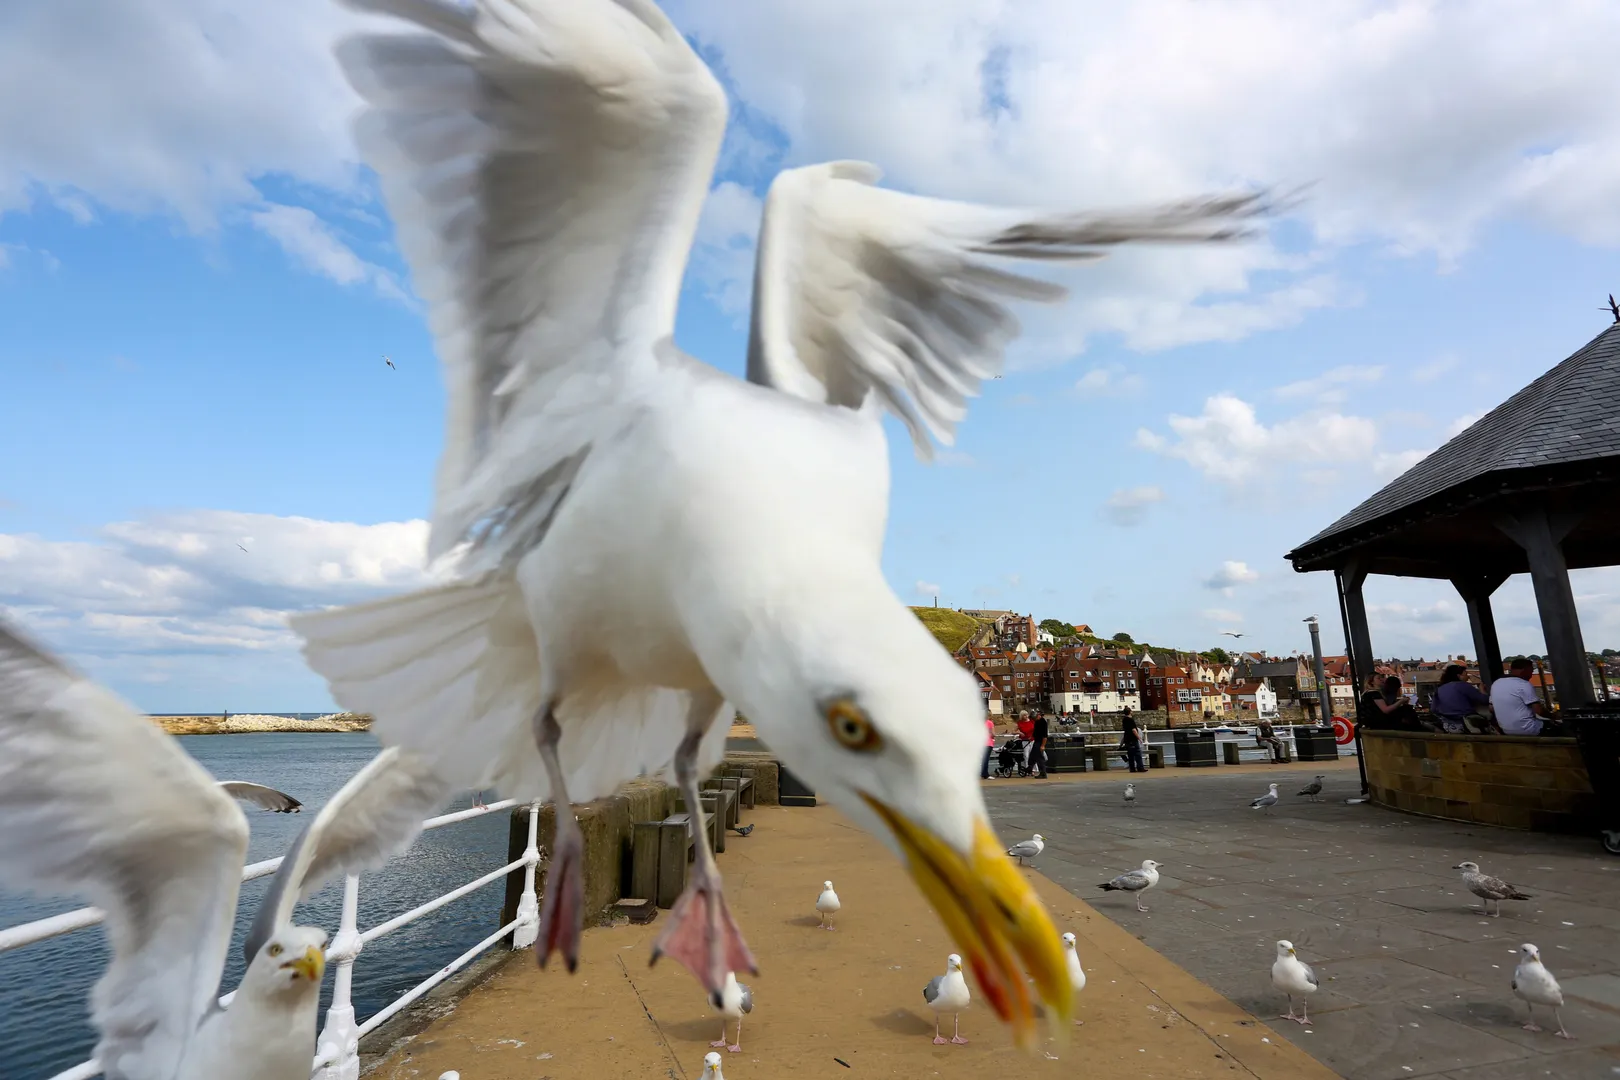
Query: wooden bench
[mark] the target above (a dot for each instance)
(742, 792)
(660, 852)
(745, 783)
(1232, 753)
(1153, 754)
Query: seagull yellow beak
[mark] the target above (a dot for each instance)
(312, 965)
(991, 912)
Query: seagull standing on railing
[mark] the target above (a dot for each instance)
(642, 543)
(96, 801)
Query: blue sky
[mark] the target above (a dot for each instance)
(197, 294)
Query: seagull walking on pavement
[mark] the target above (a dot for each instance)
(1130, 794)
(734, 1001)
(634, 545)
(1313, 790)
(96, 801)
(1489, 888)
(1135, 881)
(948, 993)
(1027, 849)
(827, 905)
(1071, 956)
(1266, 801)
(1535, 985)
(1295, 978)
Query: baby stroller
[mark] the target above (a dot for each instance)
(1010, 758)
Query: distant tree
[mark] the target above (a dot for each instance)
(1123, 637)
(1219, 655)
(1057, 628)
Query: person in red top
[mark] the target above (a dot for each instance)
(989, 746)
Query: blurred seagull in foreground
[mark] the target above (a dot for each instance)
(635, 544)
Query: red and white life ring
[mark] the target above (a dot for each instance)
(1344, 732)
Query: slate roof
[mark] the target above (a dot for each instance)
(1567, 416)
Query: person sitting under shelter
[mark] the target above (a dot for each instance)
(1518, 710)
(1458, 704)
(1383, 707)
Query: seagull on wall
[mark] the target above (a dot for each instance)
(643, 545)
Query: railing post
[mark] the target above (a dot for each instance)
(339, 1044)
(528, 912)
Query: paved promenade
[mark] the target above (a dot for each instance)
(1415, 980)
(853, 995)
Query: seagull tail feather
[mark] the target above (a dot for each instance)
(451, 672)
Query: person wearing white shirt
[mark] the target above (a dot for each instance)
(1518, 710)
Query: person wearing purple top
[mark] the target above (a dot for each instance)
(1456, 699)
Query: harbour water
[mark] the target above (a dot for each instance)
(44, 988)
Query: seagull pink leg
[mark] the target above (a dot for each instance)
(721, 1041)
(736, 1047)
(956, 1032)
(939, 1040)
(702, 936)
(562, 909)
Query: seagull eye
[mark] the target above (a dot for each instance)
(851, 727)
(275, 950)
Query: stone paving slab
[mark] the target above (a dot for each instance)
(1415, 980)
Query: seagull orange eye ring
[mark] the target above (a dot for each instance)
(851, 726)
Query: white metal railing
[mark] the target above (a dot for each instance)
(337, 1050)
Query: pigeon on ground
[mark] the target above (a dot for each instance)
(1130, 794)
(744, 830)
(1027, 849)
(1135, 881)
(1266, 801)
(1488, 888)
(948, 993)
(734, 1000)
(827, 904)
(1536, 985)
(1313, 790)
(1072, 956)
(1295, 978)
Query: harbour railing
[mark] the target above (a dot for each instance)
(337, 1049)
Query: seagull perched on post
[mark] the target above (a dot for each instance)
(1266, 801)
(638, 545)
(96, 801)
(1295, 978)
(1535, 985)
(948, 993)
(1489, 888)
(1135, 881)
(1028, 849)
(1313, 790)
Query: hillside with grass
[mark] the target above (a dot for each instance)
(951, 629)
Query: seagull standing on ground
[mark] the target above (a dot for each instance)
(1536, 986)
(1135, 881)
(1027, 849)
(827, 904)
(1313, 790)
(1266, 801)
(643, 545)
(1130, 794)
(96, 801)
(1489, 888)
(948, 993)
(1295, 978)
(734, 1001)
(1071, 955)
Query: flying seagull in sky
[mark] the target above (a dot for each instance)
(244, 549)
(643, 545)
(1231, 633)
(96, 801)
(390, 363)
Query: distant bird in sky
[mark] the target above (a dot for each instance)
(1231, 633)
(1614, 307)
(390, 363)
(244, 549)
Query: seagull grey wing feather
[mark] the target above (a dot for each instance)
(1497, 889)
(860, 291)
(96, 801)
(1310, 973)
(1130, 881)
(1025, 849)
(545, 163)
(265, 798)
(373, 817)
(747, 997)
(931, 991)
(1267, 799)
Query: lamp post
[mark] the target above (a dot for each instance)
(1323, 698)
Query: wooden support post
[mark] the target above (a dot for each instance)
(1542, 534)
(1476, 590)
(644, 851)
(674, 852)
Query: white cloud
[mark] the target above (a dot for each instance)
(1435, 369)
(182, 585)
(1223, 616)
(1110, 381)
(927, 588)
(314, 245)
(1392, 464)
(1230, 575)
(723, 254)
(1332, 387)
(1129, 506)
(1462, 424)
(1227, 442)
